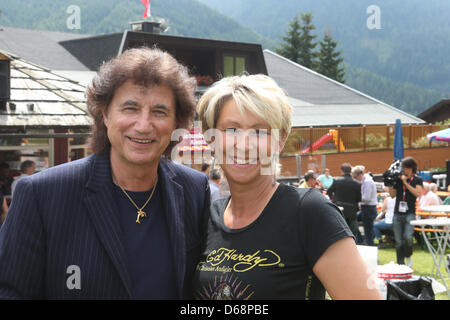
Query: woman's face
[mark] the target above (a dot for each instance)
(247, 145)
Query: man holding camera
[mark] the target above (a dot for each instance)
(406, 190)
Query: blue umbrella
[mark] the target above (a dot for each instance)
(398, 141)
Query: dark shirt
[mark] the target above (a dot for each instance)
(150, 260)
(403, 194)
(346, 192)
(273, 257)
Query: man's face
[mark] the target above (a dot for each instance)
(140, 122)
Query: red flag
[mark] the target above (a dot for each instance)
(147, 12)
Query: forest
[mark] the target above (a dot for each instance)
(404, 63)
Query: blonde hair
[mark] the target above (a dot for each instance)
(258, 94)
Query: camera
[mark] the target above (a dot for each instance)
(392, 175)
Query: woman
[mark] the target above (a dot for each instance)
(269, 240)
(385, 219)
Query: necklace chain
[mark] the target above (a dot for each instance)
(140, 212)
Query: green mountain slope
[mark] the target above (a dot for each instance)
(404, 64)
(184, 17)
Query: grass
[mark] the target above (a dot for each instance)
(422, 263)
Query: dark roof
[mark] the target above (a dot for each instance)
(41, 47)
(438, 112)
(321, 101)
(93, 51)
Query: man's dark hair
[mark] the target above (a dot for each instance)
(205, 167)
(144, 67)
(26, 165)
(346, 168)
(309, 175)
(409, 162)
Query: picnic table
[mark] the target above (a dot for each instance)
(436, 229)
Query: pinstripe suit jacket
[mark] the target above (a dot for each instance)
(65, 216)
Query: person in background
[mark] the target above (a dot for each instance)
(269, 240)
(345, 192)
(3, 208)
(309, 181)
(27, 168)
(5, 179)
(205, 169)
(369, 200)
(384, 220)
(326, 179)
(428, 198)
(434, 189)
(214, 183)
(405, 191)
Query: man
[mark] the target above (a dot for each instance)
(406, 190)
(369, 200)
(345, 192)
(326, 179)
(206, 168)
(5, 179)
(125, 222)
(27, 168)
(214, 183)
(309, 181)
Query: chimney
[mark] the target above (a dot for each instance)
(146, 26)
(5, 82)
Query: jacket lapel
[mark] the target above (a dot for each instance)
(173, 204)
(102, 209)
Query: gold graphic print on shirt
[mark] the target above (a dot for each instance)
(228, 262)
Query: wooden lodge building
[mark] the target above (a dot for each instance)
(68, 62)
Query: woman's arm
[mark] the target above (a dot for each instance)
(344, 273)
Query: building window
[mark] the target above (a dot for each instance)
(233, 65)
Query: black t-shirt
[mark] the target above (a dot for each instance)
(148, 246)
(273, 257)
(403, 194)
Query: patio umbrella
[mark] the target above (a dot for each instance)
(398, 141)
(442, 135)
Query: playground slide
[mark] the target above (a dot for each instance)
(332, 134)
(316, 145)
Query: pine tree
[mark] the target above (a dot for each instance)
(307, 54)
(330, 60)
(298, 44)
(291, 48)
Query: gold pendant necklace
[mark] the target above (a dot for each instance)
(140, 212)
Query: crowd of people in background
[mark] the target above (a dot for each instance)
(381, 214)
